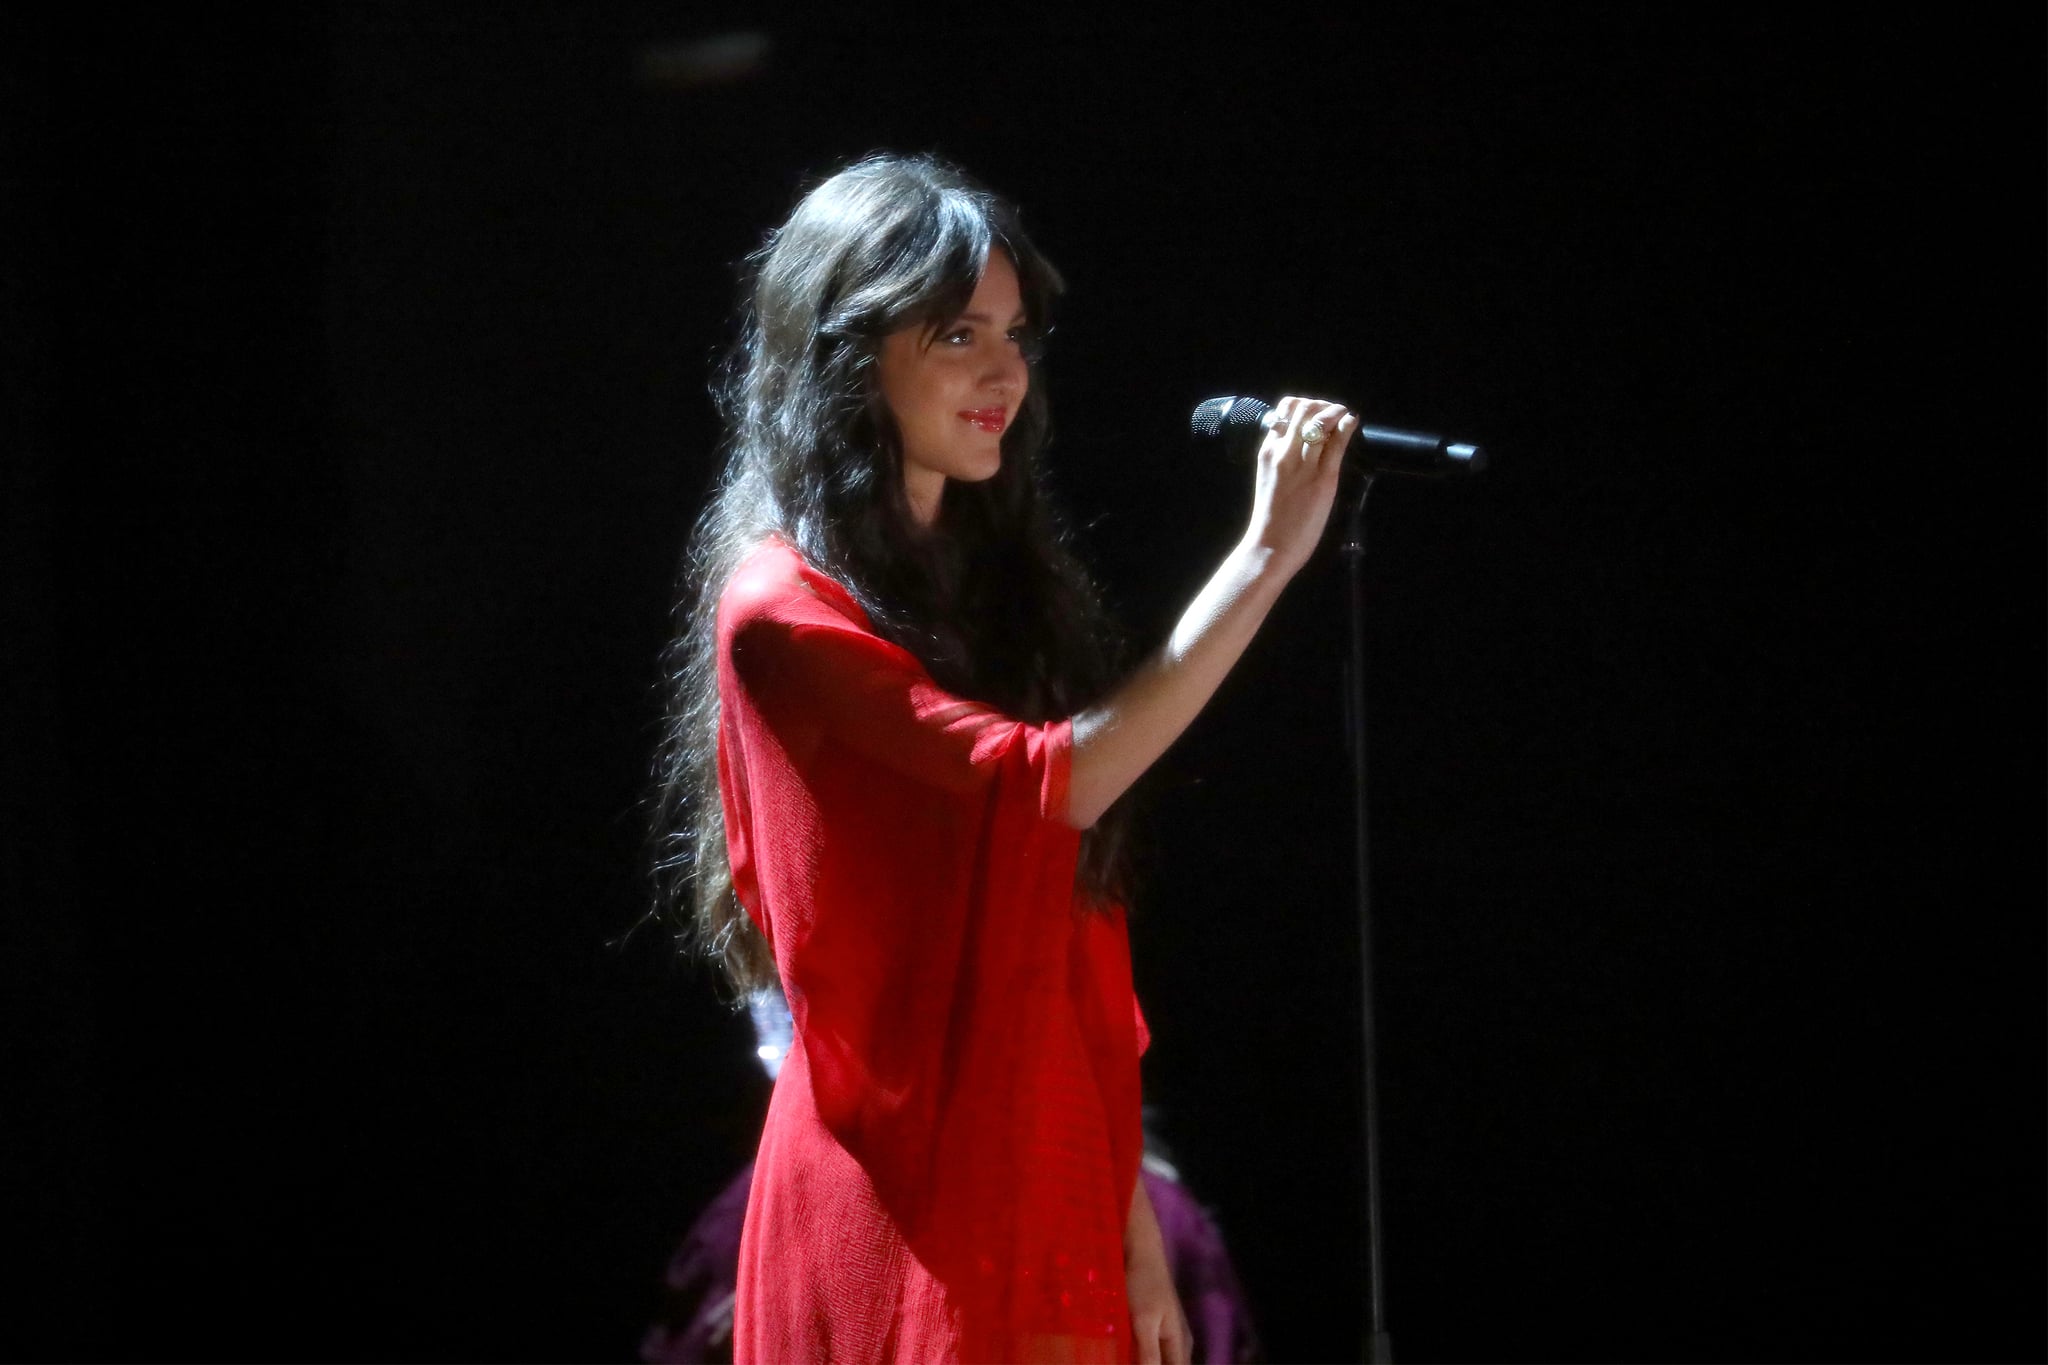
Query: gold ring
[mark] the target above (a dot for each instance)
(1312, 434)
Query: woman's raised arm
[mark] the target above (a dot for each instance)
(1295, 485)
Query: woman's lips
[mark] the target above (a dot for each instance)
(988, 419)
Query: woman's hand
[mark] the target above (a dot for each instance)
(1159, 1326)
(1295, 483)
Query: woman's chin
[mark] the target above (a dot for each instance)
(979, 467)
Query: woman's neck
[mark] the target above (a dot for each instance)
(924, 490)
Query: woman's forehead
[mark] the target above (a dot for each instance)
(996, 295)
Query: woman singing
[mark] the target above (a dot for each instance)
(890, 778)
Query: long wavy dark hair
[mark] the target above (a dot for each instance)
(992, 599)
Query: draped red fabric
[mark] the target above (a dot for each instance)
(949, 1154)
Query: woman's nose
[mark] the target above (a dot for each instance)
(1005, 368)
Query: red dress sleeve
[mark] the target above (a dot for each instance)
(963, 1033)
(812, 663)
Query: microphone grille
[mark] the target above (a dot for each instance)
(1207, 422)
(1236, 420)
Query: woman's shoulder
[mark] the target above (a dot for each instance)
(773, 583)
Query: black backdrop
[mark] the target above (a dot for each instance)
(359, 365)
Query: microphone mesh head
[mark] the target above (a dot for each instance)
(1243, 424)
(1207, 423)
(1234, 422)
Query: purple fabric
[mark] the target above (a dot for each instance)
(1218, 1317)
(695, 1325)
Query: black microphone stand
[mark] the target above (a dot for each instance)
(1238, 423)
(1378, 1346)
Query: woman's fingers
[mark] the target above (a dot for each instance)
(1296, 481)
(1341, 424)
(1174, 1349)
(1162, 1339)
(1325, 421)
(1298, 419)
(1280, 434)
(1148, 1344)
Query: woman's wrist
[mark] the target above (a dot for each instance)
(1258, 564)
(1262, 561)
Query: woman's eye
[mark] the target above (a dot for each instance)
(1029, 340)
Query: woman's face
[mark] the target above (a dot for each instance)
(955, 391)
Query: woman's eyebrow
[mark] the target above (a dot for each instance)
(1022, 316)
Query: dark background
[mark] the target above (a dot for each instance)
(357, 361)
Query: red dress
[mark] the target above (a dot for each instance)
(948, 1159)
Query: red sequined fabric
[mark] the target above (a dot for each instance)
(948, 1159)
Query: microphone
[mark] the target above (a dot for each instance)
(1238, 423)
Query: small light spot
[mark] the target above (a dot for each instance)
(769, 1052)
(721, 59)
